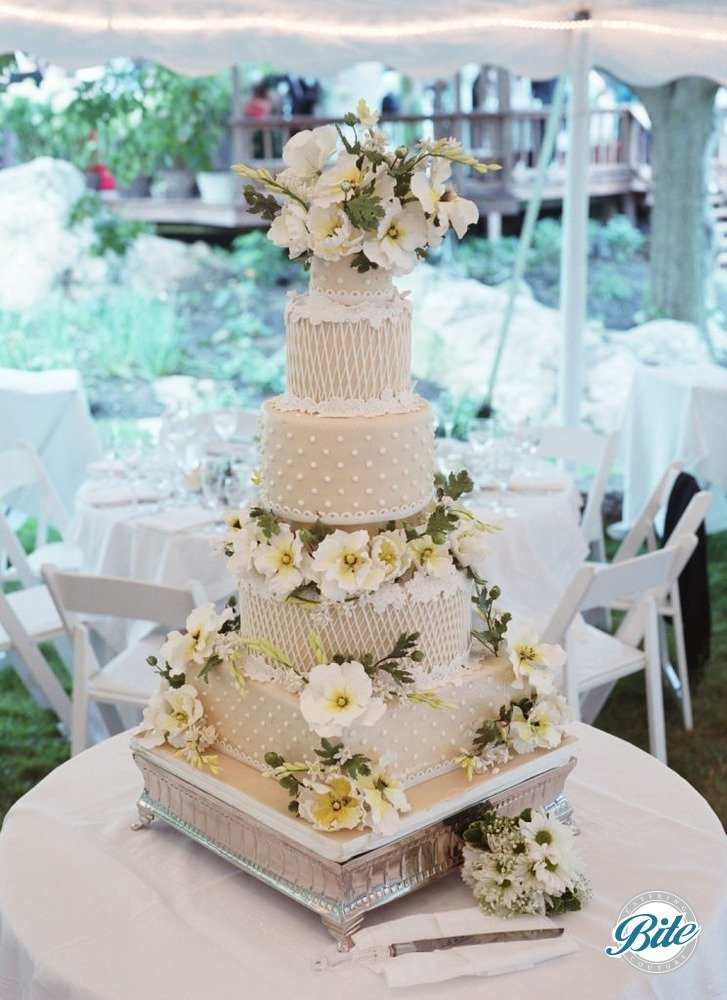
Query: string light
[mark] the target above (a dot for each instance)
(358, 31)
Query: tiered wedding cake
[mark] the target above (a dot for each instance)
(346, 674)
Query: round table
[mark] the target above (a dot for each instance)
(90, 910)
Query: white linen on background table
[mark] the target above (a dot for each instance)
(532, 558)
(675, 414)
(90, 909)
(49, 409)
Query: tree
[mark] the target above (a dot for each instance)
(682, 129)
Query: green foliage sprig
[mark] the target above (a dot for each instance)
(493, 634)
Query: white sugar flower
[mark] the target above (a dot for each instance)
(335, 183)
(177, 712)
(367, 117)
(468, 545)
(334, 805)
(332, 235)
(196, 645)
(150, 733)
(540, 729)
(390, 553)
(533, 661)
(432, 559)
(289, 230)
(342, 565)
(280, 560)
(385, 798)
(338, 694)
(442, 204)
(307, 152)
(401, 231)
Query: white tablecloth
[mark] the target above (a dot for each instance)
(49, 409)
(675, 413)
(532, 558)
(90, 910)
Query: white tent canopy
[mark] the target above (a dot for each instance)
(641, 42)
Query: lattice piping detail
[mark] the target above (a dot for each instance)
(347, 352)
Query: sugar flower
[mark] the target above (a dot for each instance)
(307, 152)
(280, 560)
(401, 231)
(385, 799)
(338, 694)
(335, 183)
(389, 552)
(468, 544)
(432, 559)
(540, 729)
(342, 565)
(196, 645)
(332, 235)
(338, 808)
(533, 661)
(289, 229)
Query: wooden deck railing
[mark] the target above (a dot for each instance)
(620, 146)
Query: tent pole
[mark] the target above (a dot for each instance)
(526, 235)
(574, 253)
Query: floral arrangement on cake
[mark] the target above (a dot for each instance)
(340, 790)
(534, 721)
(523, 864)
(352, 195)
(323, 563)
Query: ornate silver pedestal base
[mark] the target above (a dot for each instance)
(340, 892)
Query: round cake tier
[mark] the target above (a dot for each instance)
(358, 470)
(439, 611)
(348, 360)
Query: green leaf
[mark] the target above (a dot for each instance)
(365, 210)
(266, 520)
(314, 535)
(453, 485)
(211, 663)
(314, 641)
(273, 759)
(362, 264)
(441, 521)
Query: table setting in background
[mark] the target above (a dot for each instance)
(151, 507)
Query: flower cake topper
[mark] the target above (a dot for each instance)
(349, 194)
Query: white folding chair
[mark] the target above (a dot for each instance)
(29, 617)
(595, 659)
(644, 534)
(21, 468)
(581, 448)
(126, 679)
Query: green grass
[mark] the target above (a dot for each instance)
(32, 746)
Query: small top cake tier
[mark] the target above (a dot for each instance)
(348, 344)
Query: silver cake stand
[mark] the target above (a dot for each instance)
(341, 892)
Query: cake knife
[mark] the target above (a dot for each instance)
(381, 952)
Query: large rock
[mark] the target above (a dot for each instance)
(38, 249)
(457, 324)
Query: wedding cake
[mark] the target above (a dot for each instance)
(348, 669)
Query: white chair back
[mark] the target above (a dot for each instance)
(20, 468)
(80, 594)
(693, 516)
(33, 668)
(581, 447)
(600, 586)
(643, 531)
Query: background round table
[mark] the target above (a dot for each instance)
(532, 558)
(90, 910)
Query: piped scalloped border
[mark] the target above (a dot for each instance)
(381, 406)
(348, 517)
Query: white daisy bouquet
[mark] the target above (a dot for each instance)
(348, 194)
(523, 864)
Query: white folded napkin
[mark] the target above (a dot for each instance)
(470, 960)
(178, 519)
(540, 479)
(118, 495)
